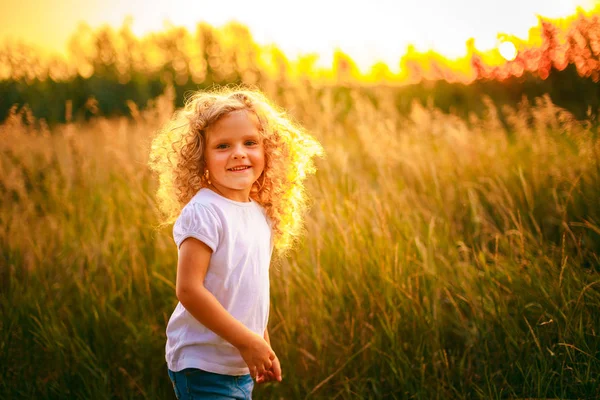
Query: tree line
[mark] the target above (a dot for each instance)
(108, 70)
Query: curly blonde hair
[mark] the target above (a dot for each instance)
(177, 156)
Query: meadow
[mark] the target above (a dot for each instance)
(443, 258)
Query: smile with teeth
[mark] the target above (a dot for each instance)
(240, 168)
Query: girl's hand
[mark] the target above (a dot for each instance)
(273, 374)
(258, 355)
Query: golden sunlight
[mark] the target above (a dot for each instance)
(508, 50)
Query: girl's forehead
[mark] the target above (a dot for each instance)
(240, 122)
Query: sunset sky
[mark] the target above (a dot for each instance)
(367, 30)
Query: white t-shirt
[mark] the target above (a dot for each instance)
(239, 235)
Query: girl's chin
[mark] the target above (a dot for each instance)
(238, 187)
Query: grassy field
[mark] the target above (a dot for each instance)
(442, 259)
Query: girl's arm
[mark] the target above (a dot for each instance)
(192, 265)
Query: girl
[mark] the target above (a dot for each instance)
(230, 168)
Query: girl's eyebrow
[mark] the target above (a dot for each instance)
(252, 136)
(243, 137)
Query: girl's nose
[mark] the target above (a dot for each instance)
(239, 153)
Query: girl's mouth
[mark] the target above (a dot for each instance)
(240, 168)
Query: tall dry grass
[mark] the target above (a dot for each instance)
(442, 258)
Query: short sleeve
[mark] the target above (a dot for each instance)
(198, 222)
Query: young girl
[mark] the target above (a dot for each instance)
(230, 168)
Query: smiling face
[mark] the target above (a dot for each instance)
(234, 154)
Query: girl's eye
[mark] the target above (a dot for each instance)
(251, 143)
(221, 146)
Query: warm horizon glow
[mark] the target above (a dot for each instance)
(380, 30)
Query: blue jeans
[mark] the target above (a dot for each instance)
(193, 383)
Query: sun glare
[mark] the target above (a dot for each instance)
(508, 50)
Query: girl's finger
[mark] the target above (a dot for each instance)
(276, 371)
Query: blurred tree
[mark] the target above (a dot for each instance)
(380, 73)
(344, 68)
(243, 53)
